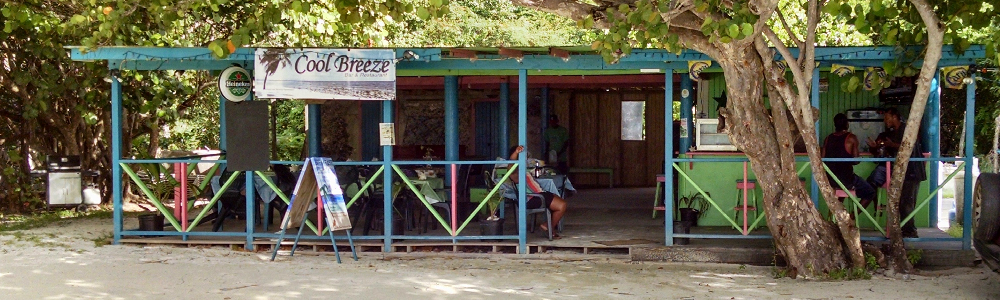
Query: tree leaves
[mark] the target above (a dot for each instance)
(734, 30)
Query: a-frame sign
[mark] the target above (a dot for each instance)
(317, 181)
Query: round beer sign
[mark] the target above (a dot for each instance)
(235, 84)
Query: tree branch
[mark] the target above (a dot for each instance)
(571, 9)
(788, 29)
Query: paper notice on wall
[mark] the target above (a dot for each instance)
(387, 134)
(684, 128)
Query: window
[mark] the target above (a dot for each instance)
(633, 120)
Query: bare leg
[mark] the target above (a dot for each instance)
(558, 208)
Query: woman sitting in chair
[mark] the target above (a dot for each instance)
(555, 203)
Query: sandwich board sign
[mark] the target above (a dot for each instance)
(317, 180)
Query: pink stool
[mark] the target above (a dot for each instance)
(745, 187)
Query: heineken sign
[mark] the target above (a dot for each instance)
(325, 74)
(235, 84)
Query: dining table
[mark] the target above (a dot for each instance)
(432, 188)
(557, 184)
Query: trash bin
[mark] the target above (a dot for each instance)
(64, 186)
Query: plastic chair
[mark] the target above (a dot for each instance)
(462, 191)
(508, 187)
(231, 199)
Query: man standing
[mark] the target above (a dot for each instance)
(557, 139)
(887, 143)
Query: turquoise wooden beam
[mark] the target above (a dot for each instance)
(116, 156)
(504, 142)
(687, 91)
(522, 139)
(450, 122)
(668, 157)
(932, 140)
(970, 127)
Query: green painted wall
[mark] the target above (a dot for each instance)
(719, 180)
(834, 100)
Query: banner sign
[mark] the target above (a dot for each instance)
(325, 74)
(954, 76)
(842, 70)
(318, 177)
(696, 66)
(874, 76)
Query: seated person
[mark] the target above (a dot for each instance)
(555, 203)
(844, 144)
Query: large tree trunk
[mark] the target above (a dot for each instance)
(896, 257)
(809, 244)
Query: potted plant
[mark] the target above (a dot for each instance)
(691, 207)
(492, 224)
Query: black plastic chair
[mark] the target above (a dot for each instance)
(231, 199)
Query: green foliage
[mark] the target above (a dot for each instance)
(914, 256)
(493, 23)
(493, 205)
(290, 129)
(871, 263)
(778, 273)
(694, 200)
(24, 222)
(849, 274)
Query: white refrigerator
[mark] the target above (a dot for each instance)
(865, 124)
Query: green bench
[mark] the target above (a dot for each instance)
(609, 171)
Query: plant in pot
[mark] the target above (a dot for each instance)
(689, 208)
(161, 186)
(491, 224)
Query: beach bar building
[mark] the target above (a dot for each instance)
(454, 111)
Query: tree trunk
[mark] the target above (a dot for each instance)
(935, 39)
(809, 244)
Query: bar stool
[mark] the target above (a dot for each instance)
(750, 187)
(660, 180)
(841, 195)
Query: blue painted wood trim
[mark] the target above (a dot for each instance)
(970, 127)
(450, 122)
(315, 117)
(504, 119)
(814, 97)
(222, 123)
(387, 117)
(686, 103)
(522, 139)
(250, 201)
(933, 142)
(668, 155)
(116, 154)
(435, 54)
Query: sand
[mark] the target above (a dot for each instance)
(62, 261)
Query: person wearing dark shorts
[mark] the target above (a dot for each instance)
(555, 203)
(844, 144)
(535, 202)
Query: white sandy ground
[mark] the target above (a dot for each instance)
(61, 261)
